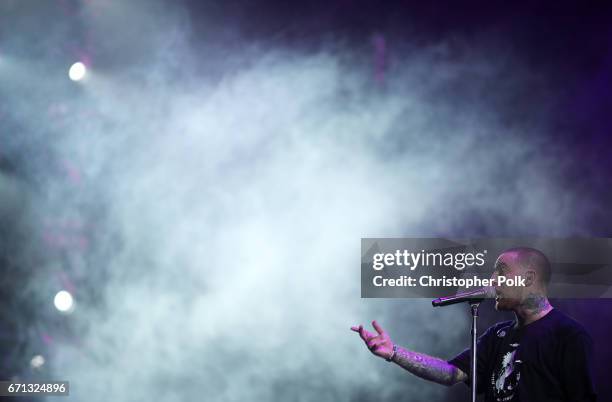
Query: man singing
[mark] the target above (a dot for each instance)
(541, 356)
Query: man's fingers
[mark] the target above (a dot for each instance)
(377, 327)
(364, 334)
(361, 332)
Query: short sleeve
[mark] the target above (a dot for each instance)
(576, 368)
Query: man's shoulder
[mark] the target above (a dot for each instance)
(567, 326)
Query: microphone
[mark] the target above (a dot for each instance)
(473, 296)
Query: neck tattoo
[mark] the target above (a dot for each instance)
(535, 304)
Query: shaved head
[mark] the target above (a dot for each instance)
(527, 258)
(529, 300)
(531, 258)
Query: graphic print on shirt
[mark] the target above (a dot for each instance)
(505, 379)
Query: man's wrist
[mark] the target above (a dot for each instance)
(390, 358)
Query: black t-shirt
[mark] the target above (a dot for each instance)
(548, 360)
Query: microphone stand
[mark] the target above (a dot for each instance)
(473, 297)
(474, 308)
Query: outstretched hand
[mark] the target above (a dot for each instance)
(379, 343)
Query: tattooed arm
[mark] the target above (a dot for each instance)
(428, 367)
(424, 366)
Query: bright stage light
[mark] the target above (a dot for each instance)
(63, 301)
(37, 362)
(77, 71)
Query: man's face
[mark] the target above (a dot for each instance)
(507, 297)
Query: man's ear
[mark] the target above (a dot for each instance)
(530, 277)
